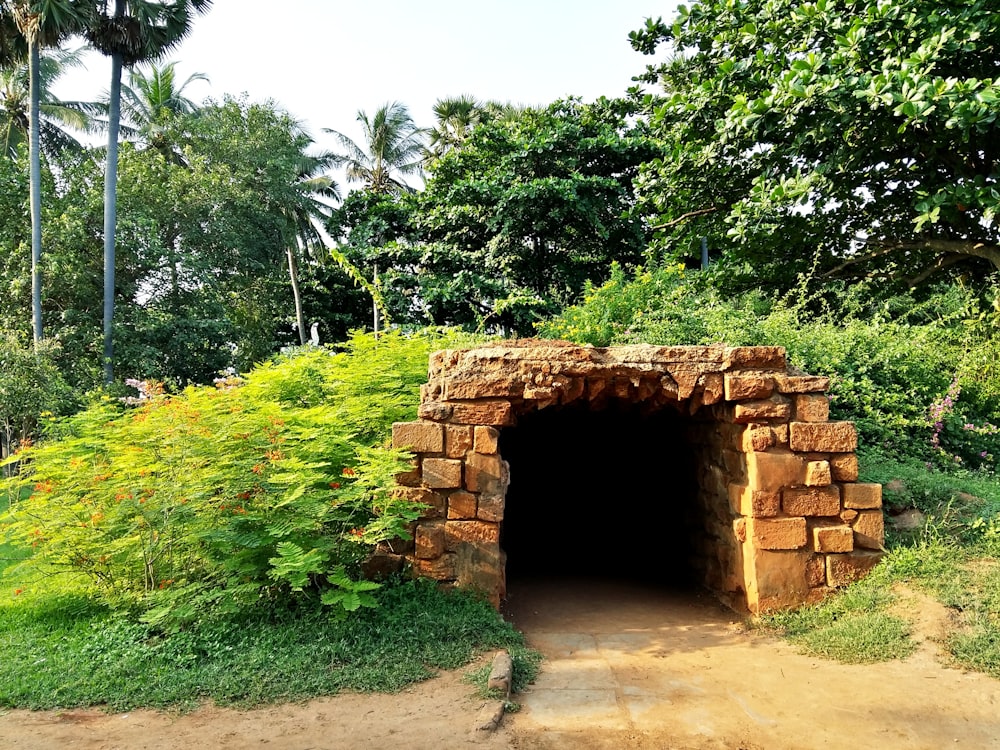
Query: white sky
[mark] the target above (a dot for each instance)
(323, 60)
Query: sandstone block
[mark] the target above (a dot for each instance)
(490, 507)
(433, 502)
(775, 471)
(862, 496)
(461, 505)
(811, 501)
(869, 529)
(488, 412)
(747, 386)
(781, 434)
(474, 532)
(833, 539)
(686, 379)
(758, 437)
(486, 439)
(712, 388)
(776, 579)
(801, 383)
(752, 411)
(755, 503)
(818, 474)
(823, 437)
(816, 571)
(457, 440)
(485, 473)
(777, 533)
(573, 390)
(409, 478)
(428, 541)
(848, 516)
(812, 408)
(439, 568)
(481, 567)
(380, 565)
(420, 437)
(441, 473)
(844, 467)
(473, 386)
(754, 358)
(434, 411)
(844, 569)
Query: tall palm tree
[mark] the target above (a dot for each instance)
(456, 119)
(42, 23)
(57, 119)
(151, 101)
(134, 31)
(393, 149)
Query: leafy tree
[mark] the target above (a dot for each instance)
(860, 136)
(152, 100)
(456, 117)
(512, 225)
(136, 31)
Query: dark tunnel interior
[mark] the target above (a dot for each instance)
(609, 493)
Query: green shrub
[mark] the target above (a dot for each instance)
(218, 496)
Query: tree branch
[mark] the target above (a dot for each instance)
(685, 217)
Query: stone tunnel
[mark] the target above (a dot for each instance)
(709, 464)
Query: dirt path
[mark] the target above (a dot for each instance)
(626, 667)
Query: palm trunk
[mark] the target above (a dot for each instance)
(293, 275)
(34, 138)
(111, 213)
(375, 312)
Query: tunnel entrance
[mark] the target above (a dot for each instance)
(608, 493)
(710, 465)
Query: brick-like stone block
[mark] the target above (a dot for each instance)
(869, 529)
(844, 467)
(777, 533)
(823, 437)
(811, 501)
(474, 532)
(844, 569)
(485, 473)
(712, 388)
(801, 383)
(428, 541)
(486, 439)
(483, 386)
(435, 411)
(488, 412)
(457, 440)
(812, 408)
(818, 474)
(775, 407)
(758, 437)
(441, 473)
(747, 386)
(434, 503)
(685, 378)
(848, 516)
(838, 538)
(439, 568)
(754, 358)
(490, 507)
(775, 471)
(816, 571)
(420, 437)
(862, 496)
(461, 506)
(755, 503)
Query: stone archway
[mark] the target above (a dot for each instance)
(781, 517)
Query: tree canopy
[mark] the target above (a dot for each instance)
(861, 136)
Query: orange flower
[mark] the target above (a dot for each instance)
(18, 592)
(335, 485)
(258, 468)
(348, 472)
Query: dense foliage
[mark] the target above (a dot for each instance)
(860, 136)
(266, 486)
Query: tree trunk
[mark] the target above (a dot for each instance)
(375, 313)
(111, 212)
(293, 275)
(34, 138)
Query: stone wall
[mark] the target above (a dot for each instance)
(783, 518)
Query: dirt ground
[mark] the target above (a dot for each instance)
(626, 667)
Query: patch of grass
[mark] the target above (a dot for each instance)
(69, 651)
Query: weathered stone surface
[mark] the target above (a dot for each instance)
(812, 408)
(777, 533)
(712, 388)
(457, 440)
(486, 385)
(818, 474)
(428, 541)
(838, 538)
(435, 411)
(823, 437)
(776, 579)
(758, 437)
(848, 516)
(686, 380)
(844, 569)
(485, 473)
(496, 413)
(754, 358)
(775, 471)
(775, 407)
(441, 473)
(741, 386)
(476, 532)
(461, 506)
(811, 501)
(490, 507)
(862, 496)
(816, 571)
(438, 569)
(756, 503)
(801, 383)
(420, 437)
(381, 565)
(485, 440)
(433, 502)
(869, 529)
(844, 467)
